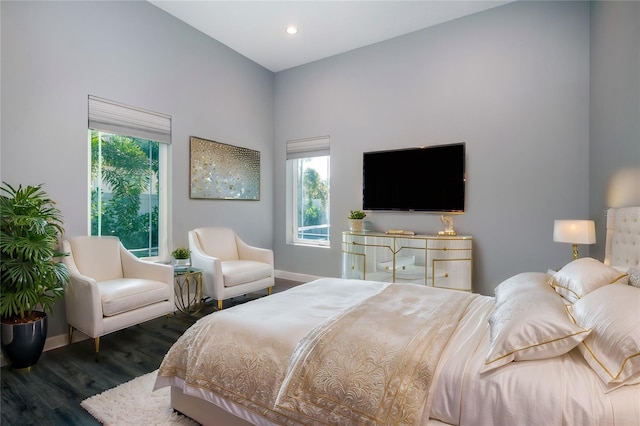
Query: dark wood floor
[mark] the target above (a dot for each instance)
(51, 392)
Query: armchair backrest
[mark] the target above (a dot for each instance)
(97, 257)
(218, 242)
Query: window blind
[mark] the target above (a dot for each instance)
(114, 117)
(310, 147)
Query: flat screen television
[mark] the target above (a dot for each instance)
(430, 179)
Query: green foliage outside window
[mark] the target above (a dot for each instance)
(316, 192)
(124, 196)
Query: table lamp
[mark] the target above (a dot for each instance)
(574, 232)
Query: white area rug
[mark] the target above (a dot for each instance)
(134, 403)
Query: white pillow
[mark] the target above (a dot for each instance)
(582, 276)
(530, 321)
(613, 347)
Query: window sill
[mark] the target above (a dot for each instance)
(301, 244)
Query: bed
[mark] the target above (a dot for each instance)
(549, 348)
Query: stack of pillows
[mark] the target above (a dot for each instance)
(586, 304)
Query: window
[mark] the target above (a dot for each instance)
(129, 176)
(308, 164)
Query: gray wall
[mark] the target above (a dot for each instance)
(513, 82)
(54, 54)
(614, 157)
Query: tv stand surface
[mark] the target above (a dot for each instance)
(434, 260)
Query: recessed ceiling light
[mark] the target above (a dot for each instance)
(291, 30)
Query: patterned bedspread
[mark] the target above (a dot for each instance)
(371, 363)
(374, 364)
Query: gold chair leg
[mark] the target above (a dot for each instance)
(219, 304)
(70, 334)
(269, 290)
(96, 341)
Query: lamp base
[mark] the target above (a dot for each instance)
(575, 251)
(449, 231)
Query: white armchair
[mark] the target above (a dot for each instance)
(111, 289)
(230, 267)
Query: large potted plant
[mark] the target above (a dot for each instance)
(32, 276)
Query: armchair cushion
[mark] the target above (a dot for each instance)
(125, 294)
(98, 258)
(237, 272)
(218, 242)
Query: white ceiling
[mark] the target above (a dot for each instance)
(256, 29)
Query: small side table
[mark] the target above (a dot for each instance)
(188, 289)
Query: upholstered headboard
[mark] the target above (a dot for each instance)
(622, 246)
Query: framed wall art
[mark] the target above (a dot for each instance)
(224, 172)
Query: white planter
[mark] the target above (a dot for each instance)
(355, 224)
(182, 262)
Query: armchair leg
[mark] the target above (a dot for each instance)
(70, 333)
(269, 290)
(97, 343)
(219, 304)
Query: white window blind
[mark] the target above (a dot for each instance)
(310, 147)
(114, 117)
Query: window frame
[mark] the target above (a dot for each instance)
(112, 117)
(297, 151)
(162, 191)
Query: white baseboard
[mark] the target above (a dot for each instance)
(294, 276)
(60, 340)
(54, 342)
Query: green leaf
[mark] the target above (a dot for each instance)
(30, 227)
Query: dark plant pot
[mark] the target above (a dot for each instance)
(22, 344)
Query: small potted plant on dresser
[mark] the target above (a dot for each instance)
(356, 219)
(181, 256)
(32, 276)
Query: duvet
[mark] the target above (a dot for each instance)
(338, 351)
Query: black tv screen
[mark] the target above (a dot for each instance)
(430, 179)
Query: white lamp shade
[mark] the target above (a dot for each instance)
(574, 231)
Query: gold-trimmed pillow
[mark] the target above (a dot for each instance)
(613, 347)
(530, 321)
(582, 276)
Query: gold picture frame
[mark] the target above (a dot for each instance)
(223, 172)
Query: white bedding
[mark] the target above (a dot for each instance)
(556, 391)
(560, 390)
